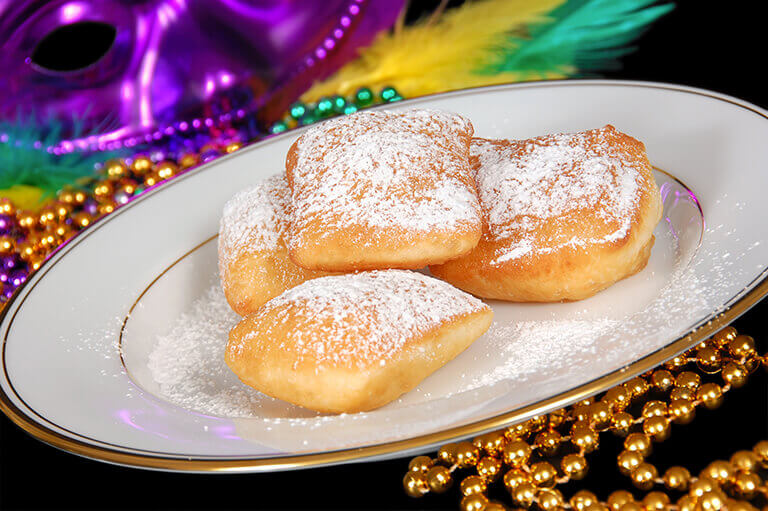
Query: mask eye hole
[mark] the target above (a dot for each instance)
(73, 47)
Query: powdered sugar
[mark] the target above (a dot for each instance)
(364, 319)
(395, 171)
(522, 184)
(255, 219)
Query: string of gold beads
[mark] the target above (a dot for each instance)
(532, 458)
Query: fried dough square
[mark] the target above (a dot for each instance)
(564, 216)
(383, 189)
(354, 342)
(253, 258)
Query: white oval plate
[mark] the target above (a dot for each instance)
(78, 339)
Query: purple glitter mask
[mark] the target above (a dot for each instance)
(176, 64)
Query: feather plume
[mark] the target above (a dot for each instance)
(438, 55)
(28, 172)
(496, 41)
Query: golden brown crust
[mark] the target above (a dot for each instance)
(382, 190)
(354, 342)
(572, 255)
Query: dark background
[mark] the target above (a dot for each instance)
(708, 44)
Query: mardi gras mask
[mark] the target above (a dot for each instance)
(150, 68)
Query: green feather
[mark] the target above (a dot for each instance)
(586, 35)
(21, 163)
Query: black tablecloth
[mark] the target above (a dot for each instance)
(714, 45)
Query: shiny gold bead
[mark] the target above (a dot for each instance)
(36, 262)
(491, 443)
(7, 245)
(27, 250)
(549, 499)
(581, 413)
(516, 431)
(676, 363)
(710, 395)
(761, 451)
(637, 387)
(115, 169)
(574, 466)
(548, 442)
(597, 506)
(700, 486)
(473, 484)
(662, 380)
(66, 195)
(746, 484)
(583, 499)
(654, 409)
(631, 506)
(415, 484)
(107, 207)
(735, 374)
(420, 464)
(686, 503)
(523, 494)
(7, 207)
(585, 438)
(495, 506)
(638, 442)
(745, 461)
(467, 454)
(655, 501)
(189, 160)
(516, 453)
(676, 478)
(739, 505)
(166, 169)
(621, 422)
(688, 380)
(81, 219)
(600, 414)
(26, 219)
(151, 179)
(711, 501)
(721, 472)
(474, 502)
(742, 346)
(543, 474)
(439, 479)
(557, 418)
(618, 499)
(46, 216)
(141, 166)
(644, 476)
(447, 454)
(657, 428)
(103, 190)
(515, 477)
(682, 393)
(489, 468)
(586, 402)
(618, 398)
(724, 336)
(232, 147)
(629, 461)
(708, 359)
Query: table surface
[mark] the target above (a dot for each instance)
(701, 43)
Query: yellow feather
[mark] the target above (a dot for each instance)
(23, 196)
(434, 57)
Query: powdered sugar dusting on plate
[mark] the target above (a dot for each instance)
(524, 183)
(406, 171)
(362, 319)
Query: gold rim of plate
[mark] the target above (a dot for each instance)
(152, 460)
